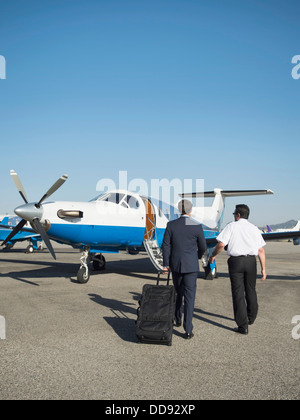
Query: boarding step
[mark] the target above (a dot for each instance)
(155, 253)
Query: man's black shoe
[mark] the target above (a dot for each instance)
(188, 336)
(241, 330)
(177, 324)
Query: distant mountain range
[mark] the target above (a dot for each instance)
(287, 225)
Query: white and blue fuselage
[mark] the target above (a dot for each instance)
(113, 221)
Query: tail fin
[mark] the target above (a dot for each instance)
(5, 221)
(212, 216)
(297, 227)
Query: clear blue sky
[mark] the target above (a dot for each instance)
(160, 88)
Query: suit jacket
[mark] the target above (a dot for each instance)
(184, 244)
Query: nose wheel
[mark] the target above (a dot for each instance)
(83, 275)
(84, 272)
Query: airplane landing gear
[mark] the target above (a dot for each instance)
(29, 249)
(99, 264)
(83, 274)
(210, 269)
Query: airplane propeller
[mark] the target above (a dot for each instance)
(33, 212)
(19, 185)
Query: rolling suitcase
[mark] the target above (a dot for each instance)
(156, 314)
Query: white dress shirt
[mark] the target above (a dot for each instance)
(242, 238)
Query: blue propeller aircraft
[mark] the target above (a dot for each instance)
(115, 221)
(26, 234)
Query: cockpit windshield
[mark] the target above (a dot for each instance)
(112, 198)
(125, 200)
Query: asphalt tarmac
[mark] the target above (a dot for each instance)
(65, 340)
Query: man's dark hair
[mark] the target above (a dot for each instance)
(243, 210)
(185, 207)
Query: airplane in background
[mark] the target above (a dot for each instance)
(26, 234)
(296, 228)
(115, 221)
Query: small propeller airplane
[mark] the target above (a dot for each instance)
(26, 234)
(296, 228)
(118, 220)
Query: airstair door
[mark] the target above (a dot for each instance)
(150, 242)
(150, 220)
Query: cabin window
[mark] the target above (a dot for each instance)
(132, 202)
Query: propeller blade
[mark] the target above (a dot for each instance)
(37, 224)
(19, 185)
(15, 231)
(54, 188)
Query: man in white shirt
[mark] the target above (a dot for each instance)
(244, 243)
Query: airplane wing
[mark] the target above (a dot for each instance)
(211, 241)
(24, 234)
(9, 227)
(269, 236)
(273, 236)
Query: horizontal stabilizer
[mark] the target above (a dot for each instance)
(226, 193)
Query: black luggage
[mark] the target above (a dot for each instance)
(156, 314)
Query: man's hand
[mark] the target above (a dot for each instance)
(211, 259)
(264, 275)
(166, 269)
(262, 259)
(219, 248)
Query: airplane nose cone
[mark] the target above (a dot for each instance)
(29, 212)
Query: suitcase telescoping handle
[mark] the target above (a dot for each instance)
(163, 272)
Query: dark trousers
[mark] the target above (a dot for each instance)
(185, 286)
(243, 276)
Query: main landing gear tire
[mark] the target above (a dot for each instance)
(210, 275)
(99, 263)
(29, 249)
(83, 275)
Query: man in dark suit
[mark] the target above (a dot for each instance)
(184, 244)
